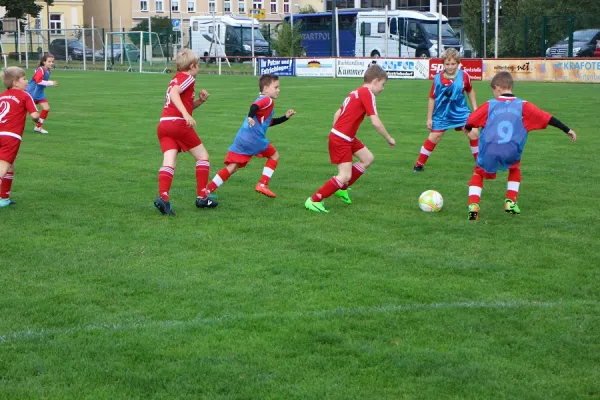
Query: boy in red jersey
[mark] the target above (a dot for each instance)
(176, 132)
(506, 121)
(37, 89)
(447, 107)
(343, 143)
(251, 139)
(15, 104)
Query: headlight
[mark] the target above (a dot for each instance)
(433, 44)
(77, 51)
(576, 50)
(548, 52)
(247, 47)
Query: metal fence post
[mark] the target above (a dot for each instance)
(525, 37)
(571, 29)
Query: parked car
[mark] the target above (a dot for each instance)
(72, 49)
(132, 53)
(584, 44)
(597, 52)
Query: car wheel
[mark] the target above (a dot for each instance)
(237, 58)
(422, 54)
(375, 54)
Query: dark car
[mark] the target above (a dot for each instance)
(597, 52)
(132, 53)
(72, 49)
(584, 44)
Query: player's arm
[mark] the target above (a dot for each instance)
(202, 97)
(470, 91)
(478, 118)
(252, 113)
(288, 114)
(174, 95)
(430, 107)
(535, 118)
(380, 128)
(38, 78)
(337, 115)
(555, 122)
(32, 108)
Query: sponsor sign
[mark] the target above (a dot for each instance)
(352, 67)
(315, 67)
(277, 66)
(397, 68)
(587, 71)
(521, 70)
(472, 66)
(572, 70)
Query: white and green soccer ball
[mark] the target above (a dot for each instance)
(431, 201)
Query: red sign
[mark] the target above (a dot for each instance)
(472, 66)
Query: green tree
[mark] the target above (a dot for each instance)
(287, 42)
(527, 27)
(21, 8)
(306, 9)
(161, 26)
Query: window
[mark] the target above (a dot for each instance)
(366, 29)
(56, 24)
(241, 7)
(38, 23)
(143, 5)
(212, 7)
(286, 6)
(273, 6)
(158, 5)
(226, 6)
(381, 27)
(175, 5)
(191, 5)
(257, 4)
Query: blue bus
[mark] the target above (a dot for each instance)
(318, 32)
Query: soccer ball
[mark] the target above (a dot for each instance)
(431, 201)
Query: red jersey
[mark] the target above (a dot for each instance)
(265, 108)
(186, 85)
(533, 117)
(360, 102)
(467, 87)
(15, 104)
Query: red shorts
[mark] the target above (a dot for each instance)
(459, 129)
(9, 147)
(341, 150)
(177, 135)
(488, 175)
(243, 159)
(40, 101)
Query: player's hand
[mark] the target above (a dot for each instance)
(203, 95)
(54, 83)
(429, 124)
(189, 120)
(251, 122)
(391, 142)
(573, 135)
(290, 113)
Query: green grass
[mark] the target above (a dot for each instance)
(104, 298)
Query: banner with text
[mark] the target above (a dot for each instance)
(318, 67)
(277, 66)
(395, 68)
(573, 70)
(472, 66)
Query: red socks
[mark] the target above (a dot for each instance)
(165, 178)
(5, 185)
(329, 188)
(426, 150)
(268, 170)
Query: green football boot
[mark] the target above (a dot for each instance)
(343, 195)
(316, 206)
(511, 207)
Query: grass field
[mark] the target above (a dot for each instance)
(103, 298)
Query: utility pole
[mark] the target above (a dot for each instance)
(110, 15)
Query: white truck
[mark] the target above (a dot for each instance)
(227, 36)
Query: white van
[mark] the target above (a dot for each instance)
(411, 34)
(233, 37)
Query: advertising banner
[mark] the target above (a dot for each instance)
(277, 66)
(473, 67)
(572, 70)
(315, 67)
(397, 68)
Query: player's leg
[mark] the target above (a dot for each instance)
(315, 202)
(202, 170)
(43, 115)
(5, 168)
(428, 146)
(474, 142)
(165, 179)
(365, 159)
(475, 189)
(273, 158)
(512, 189)
(5, 187)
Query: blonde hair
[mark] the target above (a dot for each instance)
(374, 71)
(185, 59)
(451, 54)
(10, 75)
(502, 80)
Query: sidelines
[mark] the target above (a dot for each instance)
(144, 324)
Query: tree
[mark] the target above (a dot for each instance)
(20, 8)
(306, 9)
(527, 27)
(160, 25)
(287, 41)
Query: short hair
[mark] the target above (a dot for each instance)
(503, 80)
(45, 58)
(266, 80)
(450, 54)
(185, 59)
(374, 71)
(10, 75)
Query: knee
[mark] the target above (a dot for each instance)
(344, 178)
(275, 156)
(368, 160)
(435, 137)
